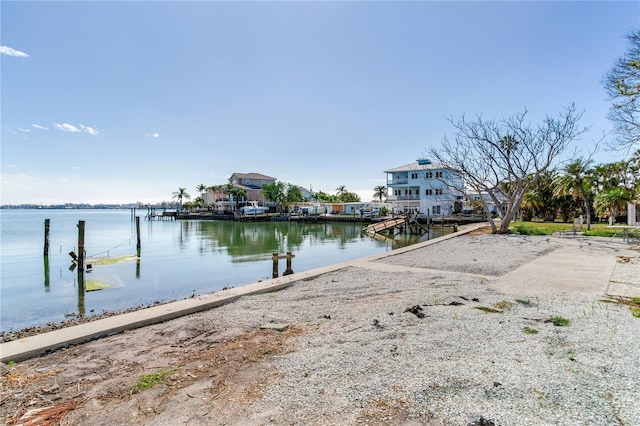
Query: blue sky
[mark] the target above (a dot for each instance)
(127, 101)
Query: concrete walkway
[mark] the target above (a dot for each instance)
(581, 264)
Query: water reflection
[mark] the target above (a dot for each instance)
(247, 241)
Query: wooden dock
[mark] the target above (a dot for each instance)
(389, 224)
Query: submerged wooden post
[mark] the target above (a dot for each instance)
(138, 246)
(288, 271)
(81, 290)
(46, 272)
(46, 237)
(81, 245)
(274, 257)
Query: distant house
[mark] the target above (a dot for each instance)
(424, 187)
(306, 194)
(252, 183)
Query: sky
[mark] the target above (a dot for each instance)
(124, 102)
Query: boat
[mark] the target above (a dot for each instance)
(253, 210)
(315, 210)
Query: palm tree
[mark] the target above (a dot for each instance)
(379, 192)
(576, 182)
(181, 194)
(237, 194)
(530, 205)
(201, 188)
(341, 190)
(612, 201)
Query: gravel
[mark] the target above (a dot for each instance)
(434, 344)
(460, 331)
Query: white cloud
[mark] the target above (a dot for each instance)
(37, 126)
(152, 135)
(6, 50)
(89, 130)
(66, 127)
(25, 130)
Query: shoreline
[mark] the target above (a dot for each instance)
(414, 337)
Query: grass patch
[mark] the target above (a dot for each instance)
(147, 381)
(522, 228)
(549, 228)
(559, 321)
(529, 330)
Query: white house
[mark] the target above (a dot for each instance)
(424, 187)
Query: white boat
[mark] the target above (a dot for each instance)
(315, 210)
(254, 210)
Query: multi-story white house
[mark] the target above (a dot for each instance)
(424, 187)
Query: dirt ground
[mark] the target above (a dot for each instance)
(205, 373)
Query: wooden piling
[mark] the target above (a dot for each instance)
(81, 245)
(288, 271)
(138, 245)
(81, 291)
(46, 237)
(46, 272)
(274, 257)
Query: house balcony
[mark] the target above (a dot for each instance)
(403, 198)
(398, 182)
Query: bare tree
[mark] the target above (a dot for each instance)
(501, 159)
(622, 84)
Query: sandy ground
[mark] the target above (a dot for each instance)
(456, 333)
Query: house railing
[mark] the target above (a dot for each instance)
(403, 198)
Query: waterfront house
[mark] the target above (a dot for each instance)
(425, 188)
(252, 183)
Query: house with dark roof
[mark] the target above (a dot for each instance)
(252, 183)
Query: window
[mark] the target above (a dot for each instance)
(414, 175)
(439, 191)
(435, 209)
(438, 175)
(429, 175)
(428, 192)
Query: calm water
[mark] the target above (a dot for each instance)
(179, 259)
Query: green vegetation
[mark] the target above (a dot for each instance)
(549, 228)
(147, 381)
(632, 302)
(529, 330)
(559, 321)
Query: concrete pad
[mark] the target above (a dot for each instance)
(579, 265)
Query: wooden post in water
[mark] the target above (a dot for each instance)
(274, 257)
(288, 271)
(46, 237)
(81, 245)
(81, 290)
(46, 272)
(138, 246)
